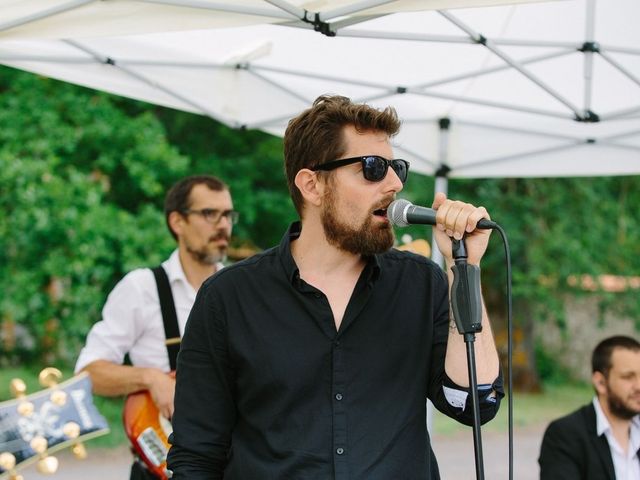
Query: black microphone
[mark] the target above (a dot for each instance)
(402, 213)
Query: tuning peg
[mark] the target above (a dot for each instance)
(47, 464)
(72, 431)
(19, 391)
(18, 387)
(8, 463)
(49, 378)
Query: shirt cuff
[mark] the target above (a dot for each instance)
(457, 396)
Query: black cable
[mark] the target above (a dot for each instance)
(507, 255)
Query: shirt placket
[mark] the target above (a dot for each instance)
(338, 372)
(340, 452)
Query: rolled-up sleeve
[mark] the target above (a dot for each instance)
(448, 397)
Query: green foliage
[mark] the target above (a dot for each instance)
(83, 176)
(249, 161)
(562, 228)
(548, 369)
(82, 180)
(557, 228)
(81, 186)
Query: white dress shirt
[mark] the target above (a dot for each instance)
(132, 320)
(626, 465)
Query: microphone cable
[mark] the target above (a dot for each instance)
(509, 393)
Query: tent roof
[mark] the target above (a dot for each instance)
(547, 89)
(91, 18)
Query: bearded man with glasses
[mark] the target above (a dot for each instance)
(314, 359)
(199, 215)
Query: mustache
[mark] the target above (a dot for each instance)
(385, 203)
(219, 236)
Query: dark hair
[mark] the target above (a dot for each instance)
(601, 358)
(316, 135)
(178, 198)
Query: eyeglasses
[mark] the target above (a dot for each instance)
(374, 167)
(213, 216)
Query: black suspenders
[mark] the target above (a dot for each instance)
(169, 316)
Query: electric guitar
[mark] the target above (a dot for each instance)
(33, 426)
(148, 431)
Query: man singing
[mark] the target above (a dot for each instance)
(313, 360)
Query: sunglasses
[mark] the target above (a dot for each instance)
(374, 167)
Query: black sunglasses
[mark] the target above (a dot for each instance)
(374, 167)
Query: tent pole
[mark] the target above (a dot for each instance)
(441, 179)
(440, 186)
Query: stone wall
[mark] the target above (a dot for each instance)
(573, 346)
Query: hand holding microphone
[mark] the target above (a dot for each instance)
(462, 233)
(453, 219)
(402, 213)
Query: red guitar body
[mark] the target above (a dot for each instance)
(148, 432)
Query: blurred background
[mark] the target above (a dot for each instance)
(82, 180)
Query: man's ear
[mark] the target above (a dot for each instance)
(176, 222)
(599, 383)
(310, 186)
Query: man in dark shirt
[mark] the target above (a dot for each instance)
(313, 359)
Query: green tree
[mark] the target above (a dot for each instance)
(81, 188)
(558, 229)
(250, 162)
(83, 176)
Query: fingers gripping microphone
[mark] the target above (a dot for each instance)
(402, 213)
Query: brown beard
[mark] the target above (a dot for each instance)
(618, 408)
(205, 256)
(366, 240)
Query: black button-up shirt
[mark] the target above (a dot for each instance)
(268, 389)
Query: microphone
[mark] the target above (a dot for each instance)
(402, 213)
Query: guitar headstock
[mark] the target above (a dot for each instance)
(36, 425)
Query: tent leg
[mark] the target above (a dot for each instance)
(441, 185)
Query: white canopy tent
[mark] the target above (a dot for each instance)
(91, 18)
(545, 89)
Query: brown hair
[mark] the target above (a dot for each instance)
(601, 357)
(316, 135)
(178, 198)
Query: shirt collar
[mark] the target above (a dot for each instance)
(291, 269)
(174, 270)
(603, 425)
(635, 428)
(173, 267)
(284, 251)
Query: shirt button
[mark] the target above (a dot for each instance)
(317, 295)
(340, 450)
(338, 396)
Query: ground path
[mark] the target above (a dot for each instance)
(454, 452)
